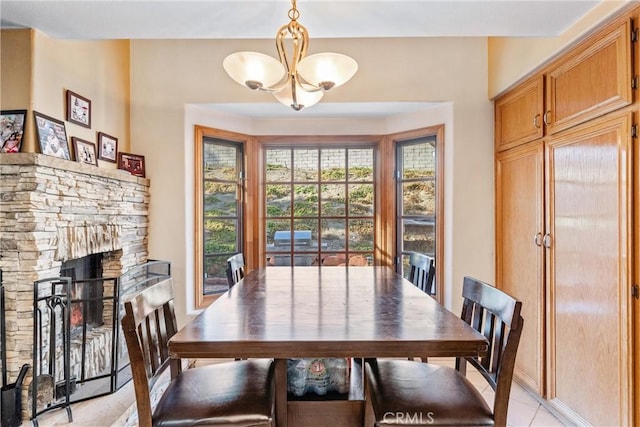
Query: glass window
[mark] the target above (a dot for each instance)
(416, 178)
(319, 205)
(221, 210)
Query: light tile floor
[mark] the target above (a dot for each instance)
(113, 410)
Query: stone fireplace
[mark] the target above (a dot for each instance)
(53, 211)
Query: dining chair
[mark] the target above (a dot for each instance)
(422, 272)
(239, 393)
(235, 269)
(402, 392)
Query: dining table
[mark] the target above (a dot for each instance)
(362, 312)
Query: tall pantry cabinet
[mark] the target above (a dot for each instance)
(564, 225)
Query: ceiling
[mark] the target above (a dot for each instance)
(171, 19)
(219, 19)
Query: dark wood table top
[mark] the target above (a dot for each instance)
(288, 312)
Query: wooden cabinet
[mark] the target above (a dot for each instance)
(519, 114)
(592, 80)
(519, 251)
(564, 247)
(589, 272)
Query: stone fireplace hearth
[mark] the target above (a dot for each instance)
(54, 210)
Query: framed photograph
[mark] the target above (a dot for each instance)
(78, 109)
(52, 136)
(107, 147)
(85, 151)
(133, 163)
(12, 123)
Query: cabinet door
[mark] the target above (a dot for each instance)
(519, 251)
(592, 81)
(519, 114)
(589, 221)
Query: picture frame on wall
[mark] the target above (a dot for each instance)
(107, 147)
(133, 163)
(78, 109)
(12, 125)
(52, 136)
(85, 151)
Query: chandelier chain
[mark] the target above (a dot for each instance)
(294, 14)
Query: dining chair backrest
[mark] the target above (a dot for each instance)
(496, 315)
(422, 272)
(235, 269)
(148, 323)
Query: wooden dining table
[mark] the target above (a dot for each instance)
(318, 312)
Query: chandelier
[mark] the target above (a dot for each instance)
(297, 81)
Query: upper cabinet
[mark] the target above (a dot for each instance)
(519, 114)
(592, 80)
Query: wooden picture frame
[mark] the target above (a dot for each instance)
(85, 151)
(107, 147)
(12, 125)
(52, 136)
(78, 109)
(133, 163)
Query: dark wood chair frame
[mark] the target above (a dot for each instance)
(235, 269)
(496, 315)
(148, 324)
(422, 272)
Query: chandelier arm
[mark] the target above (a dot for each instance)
(307, 86)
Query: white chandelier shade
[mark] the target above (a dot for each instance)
(327, 70)
(303, 98)
(244, 67)
(297, 81)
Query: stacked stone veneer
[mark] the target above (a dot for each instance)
(53, 210)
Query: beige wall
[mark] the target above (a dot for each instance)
(511, 59)
(39, 70)
(169, 76)
(15, 69)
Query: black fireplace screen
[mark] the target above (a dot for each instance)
(79, 351)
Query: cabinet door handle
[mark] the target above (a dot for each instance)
(536, 121)
(546, 118)
(537, 239)
(546, 240)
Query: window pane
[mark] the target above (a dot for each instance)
(305, 165)
(220, 199)
(333, 200)
(334, 234)
(220, 162)
(220, 236)
(418, 236)
(361, 199)
(305, 201)
(278, 166)
(278, 199)
(305, 234)
(361, 164)
(333, 165)
(215, 277)
(419, 160)
(278, 235)
(361, 232)
(419, 198)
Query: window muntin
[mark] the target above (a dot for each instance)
(319, 205)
